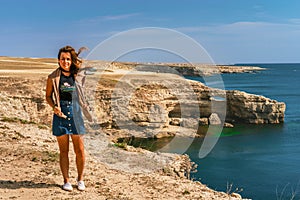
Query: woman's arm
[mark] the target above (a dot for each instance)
(49, 91)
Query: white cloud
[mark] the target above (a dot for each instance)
(106, 18)
(119, 17)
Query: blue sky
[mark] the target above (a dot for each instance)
(231, 31)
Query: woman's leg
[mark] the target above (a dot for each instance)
(63, 143)
(78, 144)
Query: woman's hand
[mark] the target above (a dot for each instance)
(58, 112)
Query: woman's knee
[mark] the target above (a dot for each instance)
(63, 143)
(78, 145)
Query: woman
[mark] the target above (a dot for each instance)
(64, 94)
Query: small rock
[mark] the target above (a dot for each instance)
(214, 119)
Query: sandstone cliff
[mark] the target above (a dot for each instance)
(148, 103)
(254, 109)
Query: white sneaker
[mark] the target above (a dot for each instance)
(80, 185)
(67, 187)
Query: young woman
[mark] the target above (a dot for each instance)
(64, 93)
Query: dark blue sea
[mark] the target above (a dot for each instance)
(258, 161)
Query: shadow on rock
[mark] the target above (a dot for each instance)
(8, 184)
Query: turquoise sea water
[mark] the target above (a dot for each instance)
(259, 161)
(263, 160)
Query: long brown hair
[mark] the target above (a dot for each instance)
(76, 60)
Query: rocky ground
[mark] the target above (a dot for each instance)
(29, 170)
(29, 153)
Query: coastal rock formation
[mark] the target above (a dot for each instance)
(154, 109)
(148, 110)
(185, 69)
(24, 100)
(253, 109)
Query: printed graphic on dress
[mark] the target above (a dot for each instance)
(66, 87)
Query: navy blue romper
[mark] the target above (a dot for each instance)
(73, 124)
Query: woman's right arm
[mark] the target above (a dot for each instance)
(49, 91)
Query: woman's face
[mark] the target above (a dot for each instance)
(65, 61)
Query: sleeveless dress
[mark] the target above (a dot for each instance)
(73, 123)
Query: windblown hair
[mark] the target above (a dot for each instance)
(76, 60)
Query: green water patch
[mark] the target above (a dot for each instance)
(215, 131)
(246, 129)
(178, 144)
(151, 144)
(230, 132)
